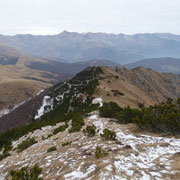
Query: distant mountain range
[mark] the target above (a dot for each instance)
(167, 64)
(120, 48)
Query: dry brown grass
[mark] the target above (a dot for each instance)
(19, 83)
(138, 86)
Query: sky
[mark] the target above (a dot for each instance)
(110, 16)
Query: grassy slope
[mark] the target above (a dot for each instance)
(19, 83)
(138, 86)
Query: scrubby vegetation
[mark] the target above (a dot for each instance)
(108, 134)
(89, 77)
(26, 144)
(164, 117)
(109, 110)
(67, 143)
(60, 128)
(77, 123)
(84, 82)
(4, 155)
(53, 148)
(90, 131)
(112, 110)
(100, 153)
(117, 92)
(27, 173)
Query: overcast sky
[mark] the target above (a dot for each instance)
(111, 16)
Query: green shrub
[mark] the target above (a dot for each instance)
(127, 115)
(112, 110)
(108, 134)
(117, 92)
(164, 117)
(109, 110)
(4, 155)
(66, 143)
(26, 173)
(90, 131)
(100, 153)
(49, 135)
(141, 105)
(60, 129)
(53, 148)
(77, 123)
(87, 81)
(26, 144)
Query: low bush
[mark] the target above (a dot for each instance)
(108, 134)
(77, 123)
(27, 173)
(141, 105)
(127, 115)
(164, 117)
(60, 129)
(26, 144)
(53, 148)
(100, 153)
(109, 110)
(4, 155)
(117, 92)
(112, 110)
(90, 131)
(66, 143)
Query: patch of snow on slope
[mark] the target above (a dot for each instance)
(47, 101)
(98, 100)
(80, 175)
(39, 92)
(7, 111)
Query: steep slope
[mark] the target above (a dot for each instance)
(17, 81)
(167, 64)
(133, 155)
(119, 48)
(59, 97)
(140, 85)
(58, 119)
(125, 87)
(23, 75)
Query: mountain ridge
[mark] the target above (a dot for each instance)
(77, 134)
(166, 64)
(125, 87)
(75, 47)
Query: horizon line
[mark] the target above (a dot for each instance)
(65, 31)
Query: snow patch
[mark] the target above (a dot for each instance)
(39, 92)
(78, 174)
(47, 101)
(7, 111)
(98, 100)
